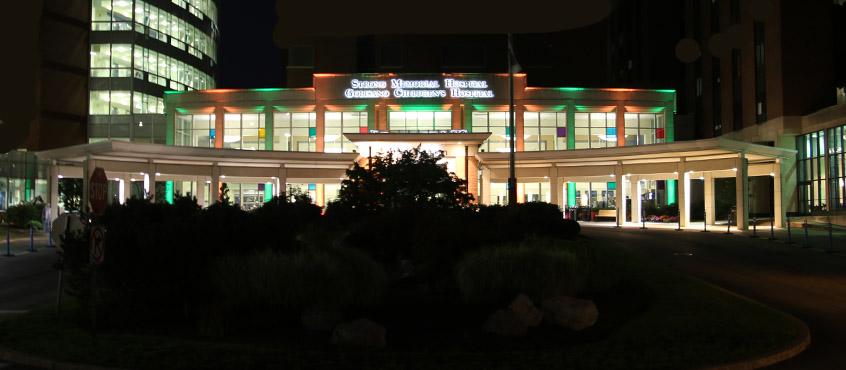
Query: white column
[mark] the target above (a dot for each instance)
(214, 192)
(778, 203)
(126, 187)
(554, 188)
(637, 190)
(620, 192)
(201, 190)
(742, 191)
(710, 206)
(683, 190)
(485, 191)
(54, 189)
(282, 179)
(87, 170)
(150, 181)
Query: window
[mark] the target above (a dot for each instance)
(295, 131)
(497, 124)
(837, 167)
(811, 171)
(336, 124)
(644, 128)
(419, 121)
(195, 130)
(114, 61)
(243, 131)
(109, 102)
(595, 130)
(544, 131)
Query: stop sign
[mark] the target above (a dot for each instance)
(98, 191)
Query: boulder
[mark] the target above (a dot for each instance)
(505, 323)
(321, 319)
(525, 311)
(570, 312)
(361, 333)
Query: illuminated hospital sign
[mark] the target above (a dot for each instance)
(399, 88)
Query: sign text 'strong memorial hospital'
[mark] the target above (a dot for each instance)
(399, 88)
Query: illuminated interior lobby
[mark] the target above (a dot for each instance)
(603, 148)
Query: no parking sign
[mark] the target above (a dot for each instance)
(98, 245)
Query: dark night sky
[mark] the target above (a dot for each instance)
(247, 56)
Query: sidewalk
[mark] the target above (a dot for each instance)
(19, 242)
(815, 237)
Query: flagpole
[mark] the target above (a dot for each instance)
(512, 179)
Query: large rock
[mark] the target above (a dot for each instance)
(570, 312)
(525, 311)
(361, 333)
(505, 323)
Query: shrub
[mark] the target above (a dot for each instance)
(538, 267)
(270, 282)
(22, 214)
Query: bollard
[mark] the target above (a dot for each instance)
(30, 239)
(8, 245)
(772, 227)
(789, 240)
(643, 220)
(618, 218)
(805, 225)
(679, 221)
(728, 225)
(705, 223)
(754, 226)
(50, 237)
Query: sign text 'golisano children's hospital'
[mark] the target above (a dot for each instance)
(399, 88)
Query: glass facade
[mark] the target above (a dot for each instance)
(336, 124)
(644, 128)
(544, 131)
(837, 167)
(23, 178)
(811, 168)
(497, 124)
(419, 122)
(139, 50)
(295, 131)
(243, 131)
(195, 130)
(595, 130)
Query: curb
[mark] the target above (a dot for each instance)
(795, 347)
(21, 358)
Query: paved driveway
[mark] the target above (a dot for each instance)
(805, 282)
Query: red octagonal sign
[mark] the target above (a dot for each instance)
(98, 191)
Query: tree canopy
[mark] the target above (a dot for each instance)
(403, 179)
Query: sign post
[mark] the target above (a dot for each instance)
(98, 191)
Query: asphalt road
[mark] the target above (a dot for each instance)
(27, 281)
(807, 283)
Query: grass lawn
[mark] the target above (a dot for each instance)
(658, 319)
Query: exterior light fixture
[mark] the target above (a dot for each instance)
(141, 173)
(702, 177)
(140, 124)
(131, 179)
(612, 175)
(675, 172)
(734, 169)
(222, 176)
(117, 179)
(60, 176)
(158, 174)
(772, 174)
(691, 171)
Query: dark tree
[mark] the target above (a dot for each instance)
(70, 192)
(404, 179)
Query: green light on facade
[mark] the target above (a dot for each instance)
(169, 192)
(419, 108)
(671, 192)
(268, 89)
(268, 192)
(570, 88)
(571, 194)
